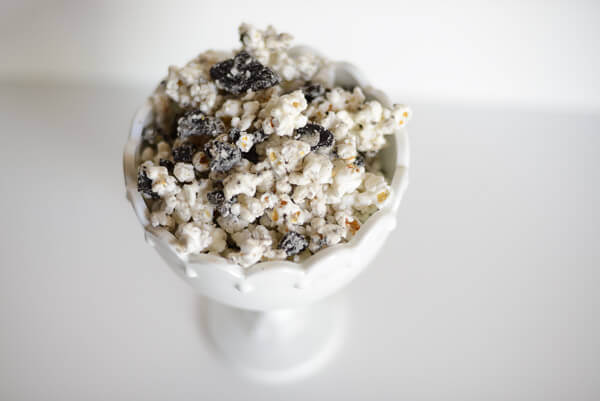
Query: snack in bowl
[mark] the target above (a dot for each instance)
(255, 155)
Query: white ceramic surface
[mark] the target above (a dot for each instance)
(275, 285)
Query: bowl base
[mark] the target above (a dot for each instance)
(278, 345)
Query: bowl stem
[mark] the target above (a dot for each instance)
(278, 345)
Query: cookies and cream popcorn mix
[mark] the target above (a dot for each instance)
(255, 155)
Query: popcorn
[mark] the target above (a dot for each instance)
(280, 162)
(270, 48)
(250, 208)
(284, 114)
(287, 211)
(248, 115)
(318, 168)
(189, 86)
(240, 183)
(231, 108)
(347, 148)
(346, 178)
(253, 243)
(245, 142)
(324, 234)
(232, 223)
(161, 218)
(318, 206)
(401, 114)
(266, 180)
(254, 40)
(283, 186)
(195, 238)
(162, 183)
(184, 172)
(308, 191)
(268, 200)
(285, 155)
(376, 192)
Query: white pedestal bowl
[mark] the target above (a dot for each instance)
(264, 318)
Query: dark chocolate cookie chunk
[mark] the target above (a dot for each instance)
(222, 205)
(223, 155)
(312, 91)
(184, 153)
(224, 208)
(293, 243)
(315, 135)
(144, 185)
(234, 134)
(168, 164)
(215, 197)
(259, 136)
(196, 123)
(241, 73)
(359, 160)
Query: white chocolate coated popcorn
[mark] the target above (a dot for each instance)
(190, 85)
(162, 183)
(272, 49)
(296, 168)
(240, 183)
(285, 155)
(346, 178)
(195, 238)
(282, 115)
(184, 172)
(253, 243)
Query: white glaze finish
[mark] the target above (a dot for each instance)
(279, 284)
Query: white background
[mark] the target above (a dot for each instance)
(533, 53)
(487, 290)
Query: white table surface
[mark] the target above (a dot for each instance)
(488, 289)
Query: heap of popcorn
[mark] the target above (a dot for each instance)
(255, 155)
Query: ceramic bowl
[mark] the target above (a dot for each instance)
(279, 284)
